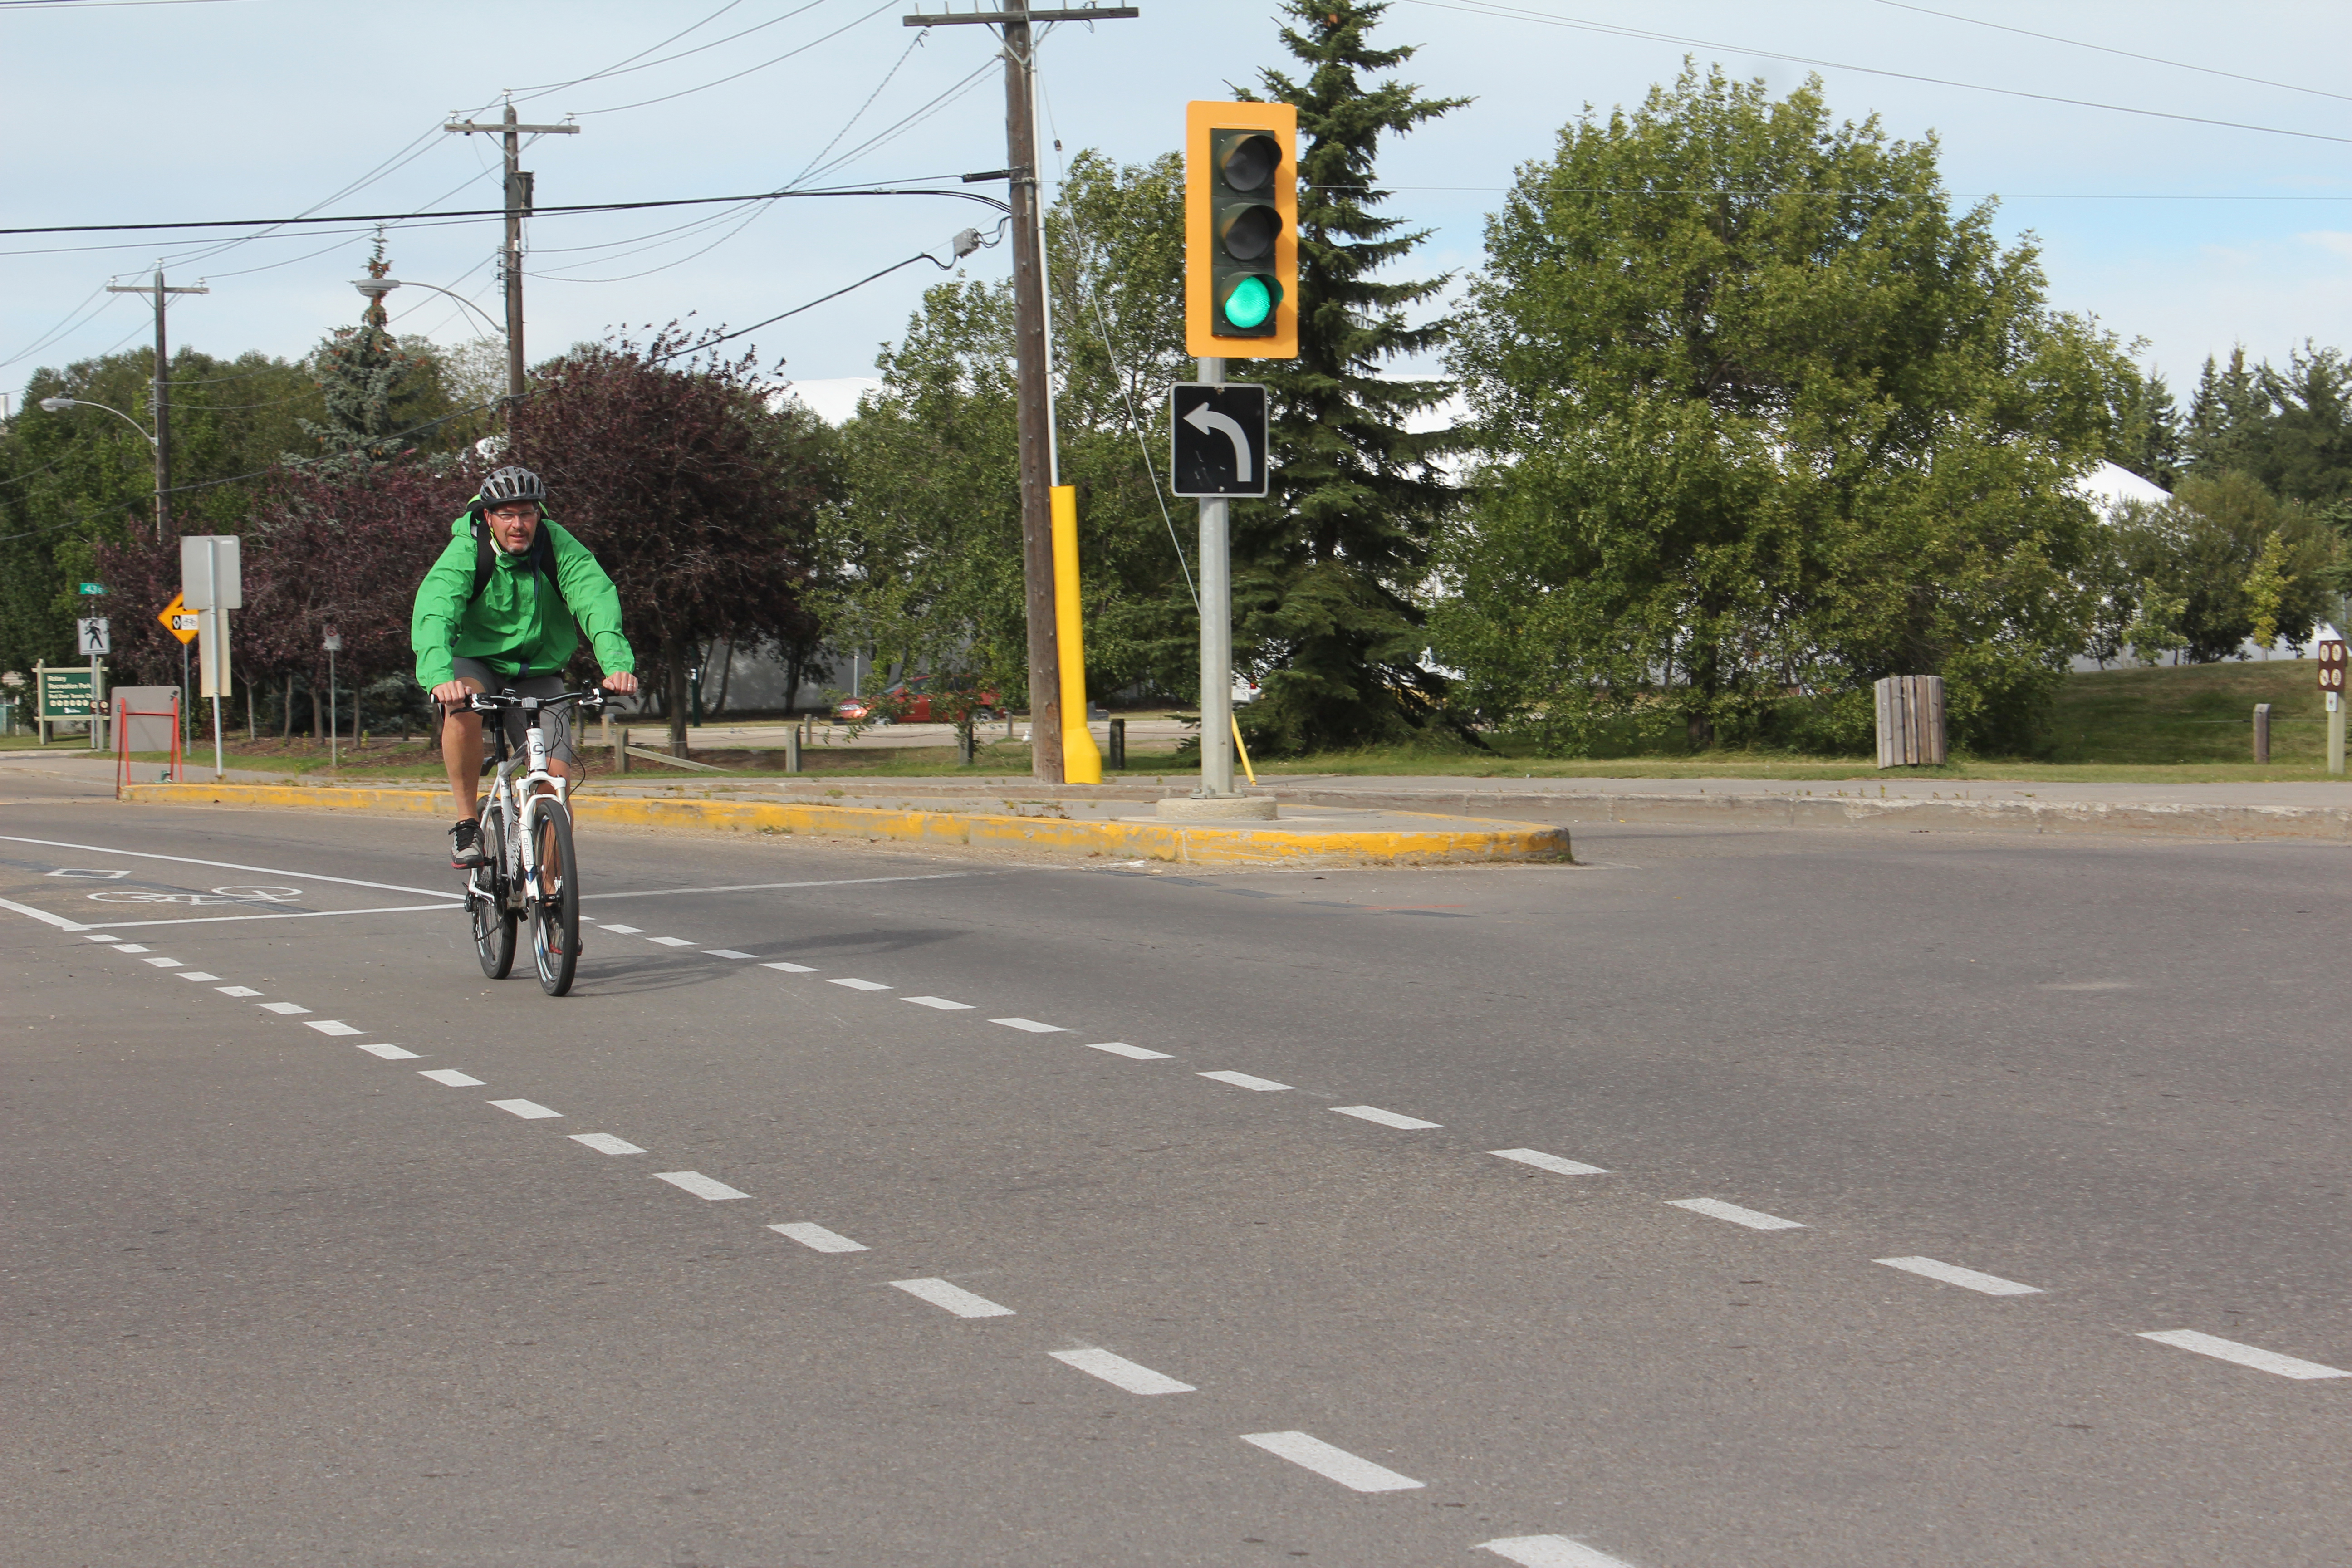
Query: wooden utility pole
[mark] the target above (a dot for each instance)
(518, 205)
(163, 441)
(1031, 369)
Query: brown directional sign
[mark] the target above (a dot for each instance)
(2331, 666)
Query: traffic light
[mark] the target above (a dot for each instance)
(1241, 230)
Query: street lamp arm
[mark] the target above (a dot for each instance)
(54, 405)
(376, 288)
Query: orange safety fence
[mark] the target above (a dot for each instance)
(178, 773)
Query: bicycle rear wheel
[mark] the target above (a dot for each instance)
(486, 902)
(555, 911)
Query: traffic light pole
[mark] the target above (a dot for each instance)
(1030, 366)
(518, 204)
(1216, 632)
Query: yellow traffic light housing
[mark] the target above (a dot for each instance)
(1241, 230)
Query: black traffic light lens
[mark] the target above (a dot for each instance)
(1249, 162)
(1248, 230)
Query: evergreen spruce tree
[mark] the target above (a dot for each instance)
(1329, 568)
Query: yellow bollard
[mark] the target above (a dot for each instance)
(1241, 750)
(1081, 762)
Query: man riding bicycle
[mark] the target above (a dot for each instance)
(498, 611)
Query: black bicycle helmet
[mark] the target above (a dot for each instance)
(511, 485)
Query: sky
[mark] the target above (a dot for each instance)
(2191, 235)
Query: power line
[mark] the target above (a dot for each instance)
(837, 293)
(624, 68)
(747, 70)
(2105, 50)
(1546, 18)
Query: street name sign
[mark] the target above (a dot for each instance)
(1220, 445)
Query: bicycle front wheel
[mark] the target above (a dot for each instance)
(486, 904)
(555, 909)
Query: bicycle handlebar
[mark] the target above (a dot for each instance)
(591, 698)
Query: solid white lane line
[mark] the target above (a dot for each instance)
(1716, 1208)
(1244, 1080)
(162, 963)
(605, 1143)
(1553, 1162)
(48, 918)
(790, 968)
(1031, 1025)
(528, 1109)
(1332, 1464)
(196, 974)
(1120, 1373)
(451, 1077)
(1967, 1279)
(1550, 1551)
(237, 991)
(770, 887)
(819, 1239)
(700, 1185)
(726, 952)
(128, 947)
(289, 1008)
(2244, 1355)
(942, 1003)
(860, 984)
(669, 940)
(1133, 1053)
(390, 1053)
(627, 931)
(333, 1027)
(1385, 1118)
(952, 1298)
(233, 866)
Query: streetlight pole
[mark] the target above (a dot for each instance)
(377, 287)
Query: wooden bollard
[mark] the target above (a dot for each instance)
(2262, 732)
(1118, 758)
(621, 752)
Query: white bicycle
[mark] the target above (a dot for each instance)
(528, 869)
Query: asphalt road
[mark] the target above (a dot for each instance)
(276, 1295)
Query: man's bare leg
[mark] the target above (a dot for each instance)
(461, 750)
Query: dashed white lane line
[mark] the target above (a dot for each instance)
(1029, 1025)
(1332, 1464)
(163, 963)
(1244, 1080)
(725, 953)
(700, 1185)
(942, 1003)
(605, 1143)
(128, 947)
(1552, 1163)
(390, 1053)
(1716, 1208)
(1385, 1118)
(289, 1008)
(93, 936)
(1120, 1373)
(528, 1109)
(860, 984)
(451, 1077)
(818, 1239)
(669, 940)
(791, 968)
(627, 931)
(953, 1298)
(196, 974)
(1133, 1053)
(333, 1027)
(2244, 1355)
(237, 991)
(1967, 1279)
(1550, 1551)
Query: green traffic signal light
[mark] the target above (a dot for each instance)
(1250, 301)
(1248, 223)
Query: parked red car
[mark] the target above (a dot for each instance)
(906, 701)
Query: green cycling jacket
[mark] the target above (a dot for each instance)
(514, 622)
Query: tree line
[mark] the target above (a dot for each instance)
(1740, 411)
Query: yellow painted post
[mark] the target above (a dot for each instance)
(1241, 748)
(1081, 762)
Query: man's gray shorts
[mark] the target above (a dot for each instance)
(556, 726)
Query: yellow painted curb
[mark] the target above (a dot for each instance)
(1444, 840)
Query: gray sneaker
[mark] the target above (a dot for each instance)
(466, 845)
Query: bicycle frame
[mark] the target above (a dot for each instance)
(522, 796)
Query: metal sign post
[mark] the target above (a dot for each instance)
(2331, 652)
(92, 631)
(1218, 435)
(334, 645)
(212, 584)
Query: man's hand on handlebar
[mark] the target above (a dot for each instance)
(453, 694)
(621, 683)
